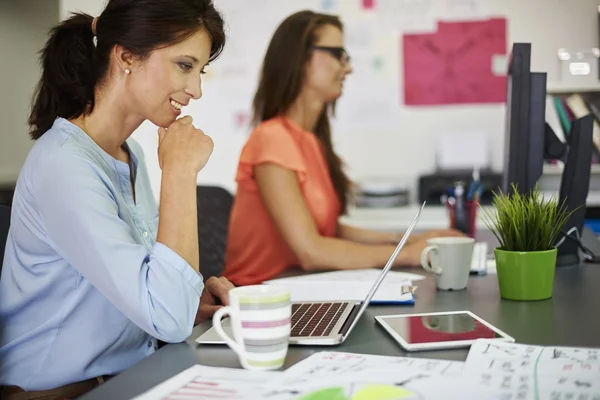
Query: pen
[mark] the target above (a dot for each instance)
(477, 194)
(460, 214)
(475, 184)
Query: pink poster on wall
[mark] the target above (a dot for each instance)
(455, 64)
(368, 4)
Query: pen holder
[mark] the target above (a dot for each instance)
(471, 214)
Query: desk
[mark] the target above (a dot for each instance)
(568, 319)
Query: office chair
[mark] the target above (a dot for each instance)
(214, 206)
(4, 225)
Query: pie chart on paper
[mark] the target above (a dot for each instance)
(366, 392)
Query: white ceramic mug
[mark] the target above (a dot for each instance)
(261, 324)
(451, 259)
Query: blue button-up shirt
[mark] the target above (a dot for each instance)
(85, 289)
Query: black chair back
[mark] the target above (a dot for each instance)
(4, 225)
(214, 206)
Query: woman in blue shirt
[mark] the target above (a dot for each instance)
(94, 272)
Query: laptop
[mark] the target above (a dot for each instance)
(324, 323)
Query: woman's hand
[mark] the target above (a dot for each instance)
(410, 256)
(183, 147)
(214, 296)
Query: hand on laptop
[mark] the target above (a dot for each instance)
(214, 296)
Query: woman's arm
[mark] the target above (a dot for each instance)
(178, 222)
(281, 194)
(367, 236)
(157, 289)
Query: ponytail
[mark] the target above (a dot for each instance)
(74, 62)
(66, 88)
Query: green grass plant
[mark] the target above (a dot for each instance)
(526, 222)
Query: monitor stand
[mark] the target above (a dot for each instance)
(591, 242)
(567, 260)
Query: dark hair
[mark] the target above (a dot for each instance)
(282, 78)
(73, 66)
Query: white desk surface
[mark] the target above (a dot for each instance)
(397, 219)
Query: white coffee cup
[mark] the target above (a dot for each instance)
(261, 325)
(451, 259)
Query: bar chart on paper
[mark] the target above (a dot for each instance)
(201, 388)
(201, 382)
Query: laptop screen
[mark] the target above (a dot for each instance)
(386, 269)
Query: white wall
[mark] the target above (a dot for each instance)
(400, 145)
(23, 31)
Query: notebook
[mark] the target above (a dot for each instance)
(480, 259)
(349, 285)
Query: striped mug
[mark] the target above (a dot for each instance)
(260, 321)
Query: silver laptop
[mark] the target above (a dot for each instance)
(323, 323)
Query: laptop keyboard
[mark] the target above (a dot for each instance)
(315, 319)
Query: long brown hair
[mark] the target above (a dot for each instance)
(74, 63)
(282, 78)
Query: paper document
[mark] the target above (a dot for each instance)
(414, 387)
(493, 371)
(346, 291)
(536, 372)
(358, 275)
(538, 360)
(350, 285)
(201, 382)
(347, 376)
(462, 150)
(331, 366)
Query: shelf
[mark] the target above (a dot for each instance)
(562, 88)
(592, 200)
(558, 169)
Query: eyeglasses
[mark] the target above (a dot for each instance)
(339, 53)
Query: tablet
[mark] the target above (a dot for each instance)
(439, 330)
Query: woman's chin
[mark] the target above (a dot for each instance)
(163, 121)
(335, 94)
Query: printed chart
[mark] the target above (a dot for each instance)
(364, 392)
(493, 370)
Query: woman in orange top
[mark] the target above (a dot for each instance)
(291, 185)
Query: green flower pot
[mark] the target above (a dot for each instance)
(525, 275)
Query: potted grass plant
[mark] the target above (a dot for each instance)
(527, 227)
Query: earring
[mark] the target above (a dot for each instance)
(127, 71)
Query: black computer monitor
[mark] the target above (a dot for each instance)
(574, 188)
(525, 122)
(529, 139)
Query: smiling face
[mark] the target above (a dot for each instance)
(168, 79)
(328, 65)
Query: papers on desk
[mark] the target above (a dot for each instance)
(535, 372)
(353, 285)
(492, 371)
(200, 382)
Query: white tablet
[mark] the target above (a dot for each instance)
(439, 330)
